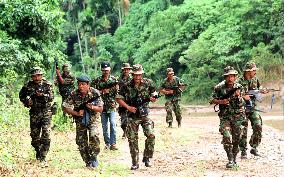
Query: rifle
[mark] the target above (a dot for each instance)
(177, 89)
(229, 95)
(258, 95)
(87, 114)
(55, 66)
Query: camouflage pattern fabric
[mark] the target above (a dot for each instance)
(121, 110)
(108, 98)
(88, 148)
(231, 117)
(130, 93)
(172, 100)
(67, 87)
(252, 115)
(40, 113)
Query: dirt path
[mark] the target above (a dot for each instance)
(201, 153)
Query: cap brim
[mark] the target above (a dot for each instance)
(126, 68)
(105, 69)
(252, 69)
(231, 73)
(138, 72)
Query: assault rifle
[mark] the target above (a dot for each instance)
(55, 66)
(177, 89)
(229, 95)
(258, 95)
(87, 114)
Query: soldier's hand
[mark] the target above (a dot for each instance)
(89, 105)
(265, 91)
(113, 105)
(30, 102)
(246, 97)
(152, 99)
(58, 71)
(131, 109)
(225, 101)
(80, 113)
(105, 91)
(39, 93)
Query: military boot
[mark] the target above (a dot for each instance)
(135, 160)
(170, 125)
(244, 154)
(94, 163)
(231, 163)
(147, 162)
(254, 152)
(38, 154)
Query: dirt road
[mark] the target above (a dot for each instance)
(195, 149)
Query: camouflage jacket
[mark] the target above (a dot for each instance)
(29, 90)
(139, 95)
(171, 85)
(123, 80)
(236, 104)
(75, 99)
(252, 84)
(68, 86)
(108, 98)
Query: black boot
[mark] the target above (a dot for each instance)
(244, 154)
(38, 154)
(147, 162)
(254, 152)
(134, 166)
(170, 125)
(231, 163)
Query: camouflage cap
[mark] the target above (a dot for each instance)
(126, 66)
(230, 70)
(105, 66)
(250, 66)
(36, 70)
(66, 66)
(137, 69)
(83, 78)
(170, 71)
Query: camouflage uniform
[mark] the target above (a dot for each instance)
(121, 110)
(109, 111)
(40, 113)
(88, 143)
(172, 100)
(68, 86)
(138, 96)
(231, 116)
(251, 114)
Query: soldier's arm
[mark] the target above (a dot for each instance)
(68, 108)
(24, 97)
(216, 98)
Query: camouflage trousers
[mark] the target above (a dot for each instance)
(256, 124)
(231, 129)
(123, 120)
(40, 126)
(132, 135)
(173, 106)
(87, 139)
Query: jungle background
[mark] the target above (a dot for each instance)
(196, 38)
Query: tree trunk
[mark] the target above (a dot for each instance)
(80, 47)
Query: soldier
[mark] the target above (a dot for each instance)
(228, 95)
(123, 79)
(38, 95)
(135, 96)
(108, 86)
(171, 88)
(65, 82)
(250, 82)
(87, 134)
